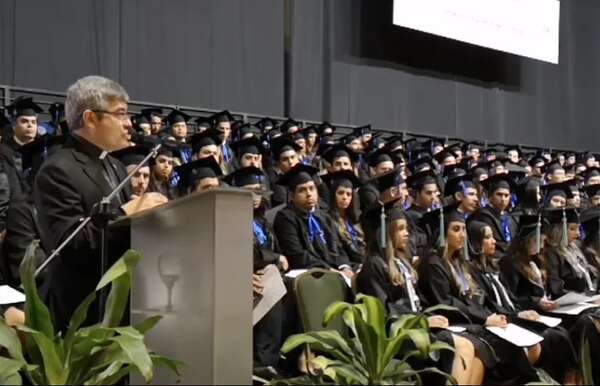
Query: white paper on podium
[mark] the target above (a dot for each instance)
(294, 273)
(273, 291)
(9, 295)
(574, 309)
(572, 298)
(516, 335)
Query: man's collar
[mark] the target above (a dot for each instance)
(87, 147)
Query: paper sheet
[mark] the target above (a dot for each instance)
(549, 321)
(273, 291)
(294, 273)
(9, 295)
(574, 309)
(516, 335)
(456, 329)
(572, 298)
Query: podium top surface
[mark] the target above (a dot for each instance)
(208, 195)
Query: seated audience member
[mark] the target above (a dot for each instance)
(178, 129)
(461, 188)
(307, 234)
(556, 195)
(130, 157)
(198, 176)
(222, 124)
(342, 209)
(154, 116)
(285, 155)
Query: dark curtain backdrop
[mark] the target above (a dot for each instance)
(200, 53)
(231, 54)
(544, 104)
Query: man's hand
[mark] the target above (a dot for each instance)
(14, 317)
(547, 305)
(146, 201)
(348, 273)
(257, 286)
(437, 321)
(496, 320)
(284, 263)
(529, 315)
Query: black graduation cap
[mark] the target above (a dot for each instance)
(453, 171)
(172, 149)
(299, 174)
(558, 215)
(152, 112)
(288, 124)
(420, 164)
(516, 148)
(36, 152)
(325, 143)
(389, 180)
(532, 225)
(499, 181)
(590, 221)
(436, 222)
(312, 129)
(57, 111)
(326, 128)
(536, 160)
(192, 172)
(458, 183)
(468, 146)
(265, 124)
(562, 189)
(379, 156)
(131, 155)
(205, 138)
(362, 130)
(248, 129)
(137, 120)
(203, 122)
(336, 151)
(591, 172)
(251, 145)
(592, 190)
(345, 177)
(376, 219)
(4, 121)
(177, 116)
(281, 145)
(431, 144)
(551, 167)
(443, 155)
(516, 173)
(422, 178)
(223, 116)
(246, 176)
(22, 106)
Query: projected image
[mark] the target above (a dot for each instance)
(523, 27)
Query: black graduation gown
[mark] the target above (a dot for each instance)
(421, 238)
(438, 287)
(21, 229)
(368, 194)
(563, 277)
(163, 188)
(493, 218)
(374, 280)
(354, 250)
(10, 190)
(291, 229)
(555, 339)
(67, 187)
(268, 333)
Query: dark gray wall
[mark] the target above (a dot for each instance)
(230, 54)
(201, 53)
(550, 105)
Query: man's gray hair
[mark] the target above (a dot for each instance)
(91, 93)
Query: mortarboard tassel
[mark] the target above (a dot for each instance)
(442, 229)
(466, 247)
(538, 235)
(382, 229)
(564, 240)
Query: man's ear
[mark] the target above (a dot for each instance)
(458, 196)
(89, 119)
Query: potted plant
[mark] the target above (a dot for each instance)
(101, 354)
(373, 354)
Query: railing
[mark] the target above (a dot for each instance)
(46, 97)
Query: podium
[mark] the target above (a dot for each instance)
(196, 271)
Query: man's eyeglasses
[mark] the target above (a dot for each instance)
(124, 116)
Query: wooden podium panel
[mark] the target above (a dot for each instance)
(201, 247)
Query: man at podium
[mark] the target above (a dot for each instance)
(72, 181)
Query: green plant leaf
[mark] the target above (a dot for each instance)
(349, 373)
(9, 371)
(172, 364)
(303, 380)
(375, 313)
(123, 266)
(315, 342)
(37, 315)
(370, 343)
(56, 373)
(586, 363)
(436, 347)
(148, 324)
(136, 351)
(404, 322)
(79, 316)
(10, 341)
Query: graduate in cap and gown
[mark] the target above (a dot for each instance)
(445, 278)
(496, 214)
(285, 157)
(222, 123)
(22, 225)
(154, 117)
(338, 158)
(307, 234)
(499, 298)
(388, 273)
(130, 157)
(268, 333)
(590, 227)
(177, 121)
(198, 176)
(343, 209)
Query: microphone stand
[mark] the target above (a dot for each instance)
(103, 213)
